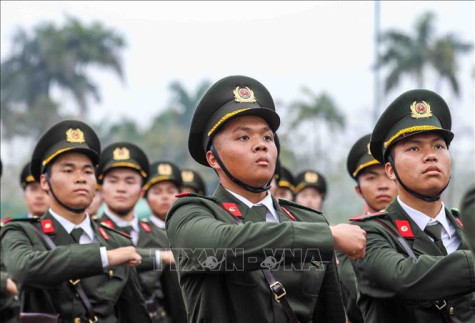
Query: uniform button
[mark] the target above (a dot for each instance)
(77, 320)
(77, 295)
(451, 311)
(111, 273)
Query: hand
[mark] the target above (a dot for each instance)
(167, 258)
(349, 239)
(11, 287)
(123, 255)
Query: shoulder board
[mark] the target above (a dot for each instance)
(284, 202)
(365, 217)
(24, 219)
(145, 226)
(191, 194)
(455, 212)
(102, 225)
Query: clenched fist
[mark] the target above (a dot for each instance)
(349, 239)
(123, 255)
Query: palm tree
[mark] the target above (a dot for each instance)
(54, 56)
(410, 55)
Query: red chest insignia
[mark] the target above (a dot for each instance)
(103, 233)
(288, 213)
(47, 226)
(108, 223)
(145, 226)
(459, 222)
(233, 209)
(404, 228)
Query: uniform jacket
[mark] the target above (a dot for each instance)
(219, 262)
(396, 288)
(43, 275)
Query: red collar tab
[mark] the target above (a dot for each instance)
(103, 233)
(459, 222)
(108, 223)
(47, 226)
(233, 209)
(145, 226)
(288, 213)
(183, 194)
(404, 228)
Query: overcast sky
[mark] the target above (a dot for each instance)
(326, 46)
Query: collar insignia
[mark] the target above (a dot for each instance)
(47, 226)
(233, 209)
(420, 110)
(244, 94)
(404, 228)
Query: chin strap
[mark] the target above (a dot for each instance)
(433, 198)
(77, 211)
(249, 188)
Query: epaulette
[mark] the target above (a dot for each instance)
(455, 212)
(23, 219)
(365, 217)
(102, 225)
(191, 194)
(290, 203)
(145, 226)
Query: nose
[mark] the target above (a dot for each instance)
(80, 178)
(430, 156)
(261, 145)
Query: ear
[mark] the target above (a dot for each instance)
(388, 168)
(44, 183)
(212, 160)
(358, 191)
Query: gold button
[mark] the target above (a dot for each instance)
(451, 311)
(77, 295)
(111, 273)
(77, 320)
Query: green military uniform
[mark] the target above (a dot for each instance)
(311, 178)
(468, 215)
(394, 285)
(285, 179)
(219, 260)
(45, 276)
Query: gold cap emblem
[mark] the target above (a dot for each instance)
(420, 110)
(187, 176)
(311, 177)
(243, 94)
(164, 169)
(121, 153)
(75, 136)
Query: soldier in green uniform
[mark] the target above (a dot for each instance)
(377, 190)
(160, 191)
(243, 256)
(191, 181)
(96, 204)
(65, 264)
(123, 172)
(468, 215)
(417, 267)
(36, 199)
(284, 184)
(310, 189)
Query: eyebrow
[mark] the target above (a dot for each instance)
(416, 140)
(70, 164)
(245, 128)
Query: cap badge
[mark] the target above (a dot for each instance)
(164, 169)
(75, 136)
(420, 110)
(244, 94)
(121, 153)
(311, 177)
(187, 176)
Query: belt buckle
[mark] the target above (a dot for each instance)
(95, 319)
(444, 304)
(275, 287)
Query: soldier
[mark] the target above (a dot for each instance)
(285, 185)
(310, 189)
(36, 199)
(68, 268)
(377, 190)
(160, 191)
(191, 181)
(96, 204)
(417, 267)
(226, 244)
(468, 215)
(123, 172)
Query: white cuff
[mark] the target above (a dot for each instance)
(158, 260)
(105, 261)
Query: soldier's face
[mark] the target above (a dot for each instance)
(36, 199)
(310, 197)
(96, 203)
(121, 190)
(72, 179)
(247, 148)
(376, 188)
(160, 198)
(422, 162)
(283, 193)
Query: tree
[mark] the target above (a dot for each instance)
(187, 102)
(49, 57)
(410, 55)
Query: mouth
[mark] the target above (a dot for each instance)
(121, 198)
(432, 170)
(81, 191)
(383, 197)
(263, 161)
